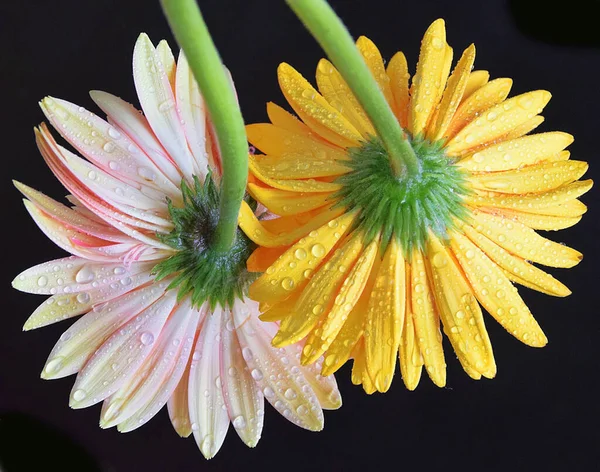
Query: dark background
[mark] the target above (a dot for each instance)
(540, 413)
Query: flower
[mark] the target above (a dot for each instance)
(364, 265)
(165, 320)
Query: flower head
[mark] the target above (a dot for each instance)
(365, 264)
(166, 321)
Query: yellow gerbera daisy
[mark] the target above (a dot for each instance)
(364, 264)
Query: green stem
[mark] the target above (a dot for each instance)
(187, 24)
(327, 28)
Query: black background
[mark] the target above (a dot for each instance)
(540, 413)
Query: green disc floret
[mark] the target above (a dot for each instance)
(201, 271)
(406, 207)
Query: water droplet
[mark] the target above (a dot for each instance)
(79, 395)
(84, 275)
(437, 43)
(302, 410)
(83, 297)
(317, 309)
(239, 422)
(146, 174)
(247, 354)
(256, 374)
(146, 338)
(54, 365)
(300, 254)
(470, 254)
(119, 270)
(287, 283)
(439, 260)
(113, 133)
(308, 93)
(318, 250)
(268, 392)
(289, 394)
(108, 147)
(42, 281)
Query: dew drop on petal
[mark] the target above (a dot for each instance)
(42, 281)
(146, 338)
(84, 275)
(79, 395)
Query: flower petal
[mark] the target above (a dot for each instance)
(545, 222)
(337, 92)
(409, 355)
(208, 412)
(309, 185)
(499, 120)
(495, 292)
(283, 119)
(307, 254)
(374, 61)
(244, 400)
(385, 317)
(426, 321)
(459, 312)
(87, 334)
(476, 80)
(314, 110)
(158, 102)
(178, 405)
(397, 70)
(121, 355)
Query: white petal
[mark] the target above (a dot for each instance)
(157, 100)
(87, 334)
(208, 412)
(325, 388)
(147, 391)
(192, 109)
(178, 405)
(121, 354)
(244, 400)
(277, 372)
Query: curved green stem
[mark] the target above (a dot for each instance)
(187, 24)
(334, 38)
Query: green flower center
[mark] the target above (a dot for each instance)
(200, 271)
(407, 208)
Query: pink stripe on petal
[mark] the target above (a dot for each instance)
(121, 355)
(277, 372)
(208, 412)
(128, 119)
(157, 100)
(89, 332)
(102, 144)
(158, 375)
(244, 400)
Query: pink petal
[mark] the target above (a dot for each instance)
(277, 372)
(245, 402)
(87, 334)
(208, 412)
(157, 100)
(121, 355)
(178, 404)
(147, 391)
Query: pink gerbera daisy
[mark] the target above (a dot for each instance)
(165, 321)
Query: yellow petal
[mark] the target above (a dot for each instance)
(459, 311)
(385, 317)
(498, 120)
(517, 269)
(374, 62)
(427, 83)
(278, 281)
(478, 102)
(524, 128)
(426, 321)
(295, 165)
(283, 119)
(318, 296)
(306, 185)
(452, 95)
(546, 203)
(314, 110)
(284, 308)
(544, 222)
(282, 202)
(517, 153)
(397, 71)
(352, 288)
(476, 80)
(336, 91)
(280, 142)
(536, 178)
(495, 292)
(261, 233)
(411, 361)
(352, 331)
(262, 258)
(359, 370)
(524, 242)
